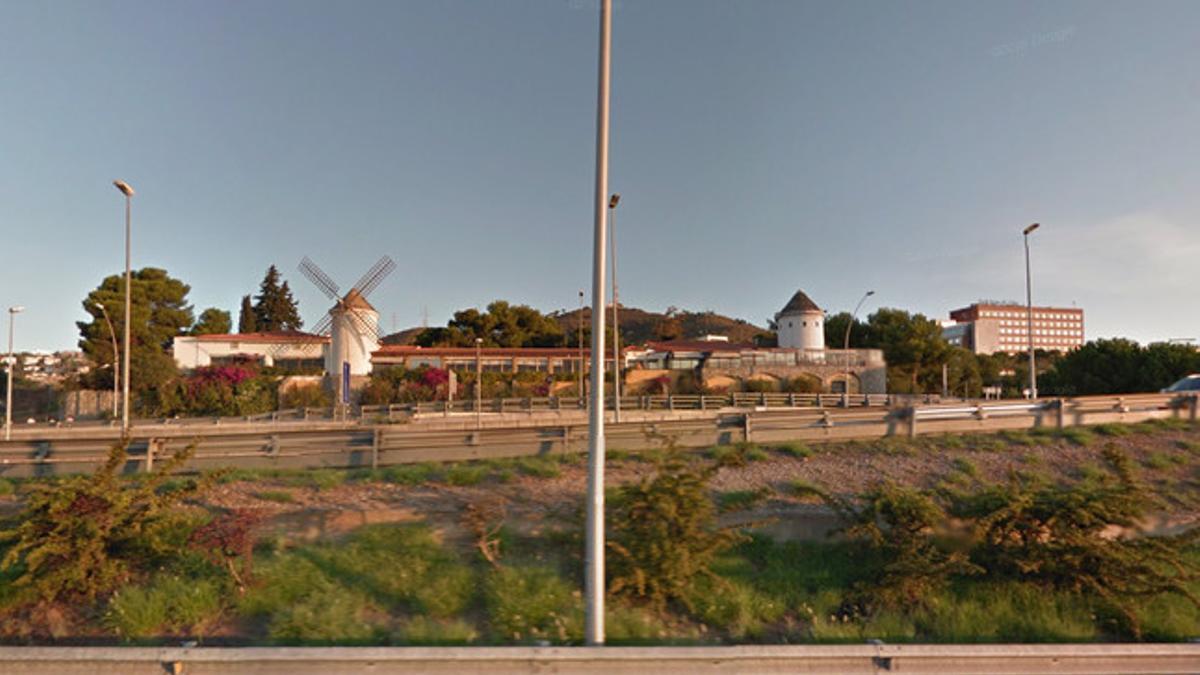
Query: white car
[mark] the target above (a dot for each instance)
(1188, 385)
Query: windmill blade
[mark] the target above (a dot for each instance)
(375, 275)
(319, 279)
(364, 327)
(322, 327)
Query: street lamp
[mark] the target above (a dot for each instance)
(116, 370)
(846, 348)
(1033, 392)
(594, 536)
(579, 326)
(612, 246)
(478, 383)
(128, 192)
(11, 361)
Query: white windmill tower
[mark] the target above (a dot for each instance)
(352, 323)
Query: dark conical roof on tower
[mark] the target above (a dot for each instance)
(799, 303)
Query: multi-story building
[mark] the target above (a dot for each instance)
(988, 327)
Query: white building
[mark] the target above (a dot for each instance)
(801, 324)
(284, 349)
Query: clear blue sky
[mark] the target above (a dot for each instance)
(761, 146)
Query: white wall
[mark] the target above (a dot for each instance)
(805, 330)
(351, 343)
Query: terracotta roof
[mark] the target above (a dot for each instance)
(705, 346)
(277, 337)
(530, 352)
(798, 304)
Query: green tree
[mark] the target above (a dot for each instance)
(159, 312)
(246, 321)
(213, 321)
(913, 347)
(501, 325)
(835, 332)
(1119, 366)
(274, 307)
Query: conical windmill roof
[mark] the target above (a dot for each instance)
(355, 300)
(799, 304)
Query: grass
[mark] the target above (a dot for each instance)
(1079, 436)
(740, 500)
(533, 603)
(277, 496)
(1163, 460)
(169, 603)
(965, 467)
(7, 487)
(738, 453)
(1112, 430)
(464, 475)
(539, 467)
(795, 449)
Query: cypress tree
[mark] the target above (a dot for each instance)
(274, 307)
(246, 320)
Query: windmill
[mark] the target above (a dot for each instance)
(352, 323)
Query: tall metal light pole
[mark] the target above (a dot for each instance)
(579, 344)
(128, 192)
(11, 361)
(612, 246)
(846, 348)
(1033, 392)
(594, 581)
(116, 354)
(478, 383)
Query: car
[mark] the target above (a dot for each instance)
(1188, 385)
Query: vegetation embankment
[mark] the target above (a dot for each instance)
(1007, 537)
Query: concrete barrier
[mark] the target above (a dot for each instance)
(992, 659)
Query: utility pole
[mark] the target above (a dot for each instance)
(594, 578)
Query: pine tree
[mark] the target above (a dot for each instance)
(246, 321)
(274, 307)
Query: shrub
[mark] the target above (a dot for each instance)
(663, 531)
(532, 603)
(305, 396)
(228, 542)
(6, 487)
(83, 536)
(1026, 530)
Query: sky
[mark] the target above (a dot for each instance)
(760, 147)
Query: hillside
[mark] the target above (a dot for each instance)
(639, 326)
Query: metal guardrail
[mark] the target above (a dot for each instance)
(867, 658)
(353, 444)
